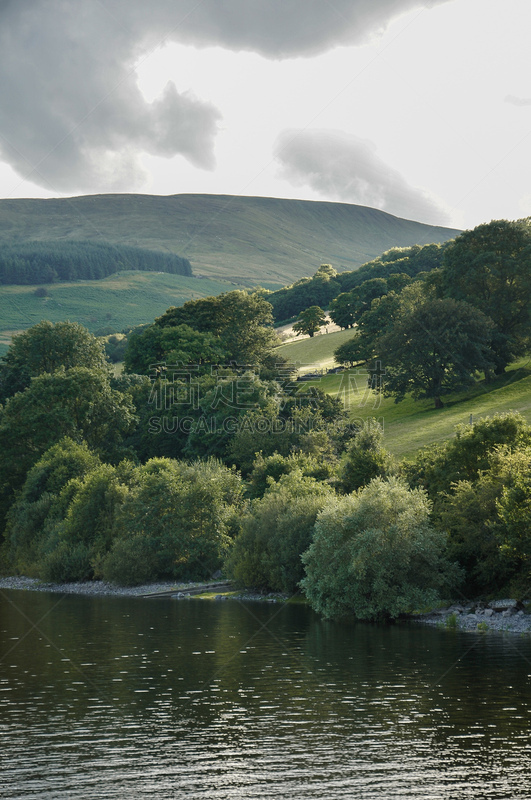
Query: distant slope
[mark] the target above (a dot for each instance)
(119, 301)
(251, 240)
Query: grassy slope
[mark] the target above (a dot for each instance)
(314, 353)
(127, 298)
(410, 425)
(245, 239)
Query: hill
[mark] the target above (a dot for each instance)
(247, 240)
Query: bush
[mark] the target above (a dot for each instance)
(176, 522)
(133, 561)
(366, 459)
(275, 532)
(67, 564)
(375, 555)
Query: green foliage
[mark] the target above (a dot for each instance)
(489, 267)
(451, 622)
(310, 321)
(240, 320)
(275, 531)
(365, 459)
(435, 350)
(45, 348)
(49, 261)
(467, 454)
(375, 554)
(270, 469)
(469, 515)
(176, 521)
(514, 512)
(316, 291)
(78, 403)
(357, 350)
(348, 307)
(323, 287)
(115, 347)
(227, 406)
(43, 500)
(179, 345)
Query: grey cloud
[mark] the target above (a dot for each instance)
(274, 28)
(72, 116)
(343, 167)
(518, 101)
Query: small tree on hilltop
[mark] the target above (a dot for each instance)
(310, 321)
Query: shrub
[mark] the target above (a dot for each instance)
(375, 555)
(275, 532)
(176, 522)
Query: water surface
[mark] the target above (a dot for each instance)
(105, 697)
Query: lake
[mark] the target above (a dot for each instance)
(112, 697)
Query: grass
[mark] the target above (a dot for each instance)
(250, 240)
(121, 300)
(410, 425)
(316, 352)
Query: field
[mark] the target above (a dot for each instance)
(411, 424)
(316, 352)
(119, 301)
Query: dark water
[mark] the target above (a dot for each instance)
(129, 698)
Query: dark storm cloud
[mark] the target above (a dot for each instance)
(71, 114)
(343, 167)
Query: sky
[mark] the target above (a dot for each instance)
(421, 108)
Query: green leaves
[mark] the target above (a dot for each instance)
(490, 267)
(275, 532)
(45, 348)
(435, 349)
(310, 321)
(375, 555)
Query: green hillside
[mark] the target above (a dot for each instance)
(121, 300)
(314, 353)
(249, 240)
(413, 424)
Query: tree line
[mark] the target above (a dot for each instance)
(50, 261)
(326, 284)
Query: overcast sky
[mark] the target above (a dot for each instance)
(421, 108)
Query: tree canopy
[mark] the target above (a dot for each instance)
(241, 320)
(490, 267)
(435, 349)
(44, 348)
(310, 321)
(375, 554)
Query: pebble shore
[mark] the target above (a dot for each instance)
(102, 589)
(95, 588)
(507, 616)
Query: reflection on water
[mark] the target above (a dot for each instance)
(130, 698)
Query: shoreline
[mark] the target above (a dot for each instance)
(502, 616)
(145, 592)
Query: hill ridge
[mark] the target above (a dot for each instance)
(251, 240)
